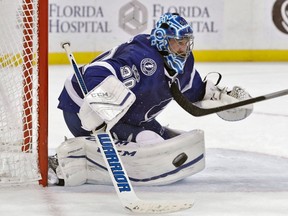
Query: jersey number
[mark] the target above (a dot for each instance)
(130, 76)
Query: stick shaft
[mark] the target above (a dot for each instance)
(105, 142)
(198, 111)
(77, 72)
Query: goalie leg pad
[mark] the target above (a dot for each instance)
(148, 163)
(72, 162)
(168, 161)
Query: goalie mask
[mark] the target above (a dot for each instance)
(173, 37)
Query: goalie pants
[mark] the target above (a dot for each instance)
(120, 131)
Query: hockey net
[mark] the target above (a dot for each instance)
(23, 91)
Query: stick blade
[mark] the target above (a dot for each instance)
(158, 207)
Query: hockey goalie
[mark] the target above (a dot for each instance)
(128, 86)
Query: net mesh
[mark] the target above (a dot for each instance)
(18, 91)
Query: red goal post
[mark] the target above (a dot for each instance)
(23, 91)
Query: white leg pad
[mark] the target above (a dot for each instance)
(147, 164)
(72, 162)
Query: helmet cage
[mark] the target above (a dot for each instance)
(186, 41)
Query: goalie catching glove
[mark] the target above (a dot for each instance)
(216, 96)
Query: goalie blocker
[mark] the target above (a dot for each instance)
(165, 162)
(106, 103)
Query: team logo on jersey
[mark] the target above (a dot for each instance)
(155, 110)
(148, 66)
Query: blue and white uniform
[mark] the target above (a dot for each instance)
(140, 67)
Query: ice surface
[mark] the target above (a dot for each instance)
(247, 161)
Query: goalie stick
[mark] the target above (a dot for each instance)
(119, 176)
(198, 111)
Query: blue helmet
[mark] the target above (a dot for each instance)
(172, 26)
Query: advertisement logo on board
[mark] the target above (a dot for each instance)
(280, 15)
(133, 17)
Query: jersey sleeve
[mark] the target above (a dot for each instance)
(193, 87)
(197, 90)
(96, 72)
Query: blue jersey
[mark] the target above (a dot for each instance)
(141, 68)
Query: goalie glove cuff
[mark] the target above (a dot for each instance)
(213, 92)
